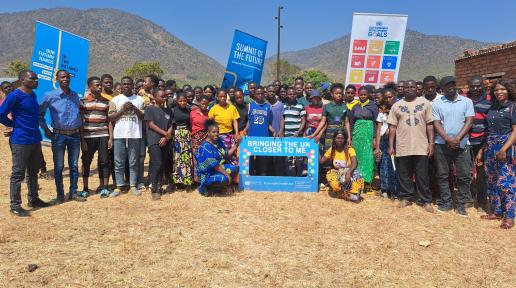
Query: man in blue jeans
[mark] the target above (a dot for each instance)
(25, 141)
(453, 118)
(65, 115)
(126, 114)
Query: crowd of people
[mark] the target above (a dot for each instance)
(426, 141)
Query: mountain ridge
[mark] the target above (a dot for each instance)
(439, 53)
(118, 39)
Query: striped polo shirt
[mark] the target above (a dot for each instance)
(477, 132)
(94, 116)
(292, 113)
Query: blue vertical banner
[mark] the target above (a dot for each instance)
(246, 60)
(55, 49)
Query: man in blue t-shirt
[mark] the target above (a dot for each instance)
(20, 111)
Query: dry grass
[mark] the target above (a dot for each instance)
(247, 240)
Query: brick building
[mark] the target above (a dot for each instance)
(491, 63)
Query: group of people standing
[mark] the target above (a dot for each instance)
(407, 133)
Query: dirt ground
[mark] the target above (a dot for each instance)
(246, 240)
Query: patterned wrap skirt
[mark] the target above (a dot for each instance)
(182, 172)
(501, 177)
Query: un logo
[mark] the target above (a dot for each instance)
(379, 23)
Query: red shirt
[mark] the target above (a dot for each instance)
(197, 120)
(313, 116)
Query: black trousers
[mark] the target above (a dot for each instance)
(278, 165)
(445, 157)
(160, 159)
(479, 184)
(43, 164)
(260, 165)
(414, 165)
(100, 145)
(23, 158)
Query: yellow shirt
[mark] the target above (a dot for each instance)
(340, 160)
(106, 96)
(147, 97)
(224, 117)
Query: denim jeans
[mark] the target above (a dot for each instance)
(444, 157)
(23, 158)
(72, 144)
(126, 148)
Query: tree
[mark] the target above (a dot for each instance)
(141, 69)
(288, 72)
(15, 67)
(316, 77)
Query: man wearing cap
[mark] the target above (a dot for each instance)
(453, 118)
(63, 104)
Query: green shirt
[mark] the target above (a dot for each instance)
(335, 113)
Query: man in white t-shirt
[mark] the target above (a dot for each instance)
(126, 114)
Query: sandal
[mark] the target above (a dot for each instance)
(507, 223)
(491, 217)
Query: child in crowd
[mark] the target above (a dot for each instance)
(294, 117)
(260, 125)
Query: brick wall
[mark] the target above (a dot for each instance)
(499, 61)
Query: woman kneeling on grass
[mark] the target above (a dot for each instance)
(213, 166)
(344, 179)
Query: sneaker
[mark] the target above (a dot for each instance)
(441, 209)
(135, 191)
(77, 197)
(20, 212)
(104, 192)
(115, 192)
(428, 208)
(156, 196)
(38, 203)
(461, 211)
(84, 193)
(404, 203)
(142, 188)
(170, 188)
(385, 195)
(59, 200)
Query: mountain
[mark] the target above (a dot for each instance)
(117, 40)
(422, 55)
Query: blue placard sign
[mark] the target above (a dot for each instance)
(55, 49)
(268, 146)
(246, 60)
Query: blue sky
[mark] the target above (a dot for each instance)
(209, 25)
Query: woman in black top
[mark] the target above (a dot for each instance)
(182, 173)
(500, 156)
(159, 133)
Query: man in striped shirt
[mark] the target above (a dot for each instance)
(294, 118)
(477, 138)
(95, 135)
